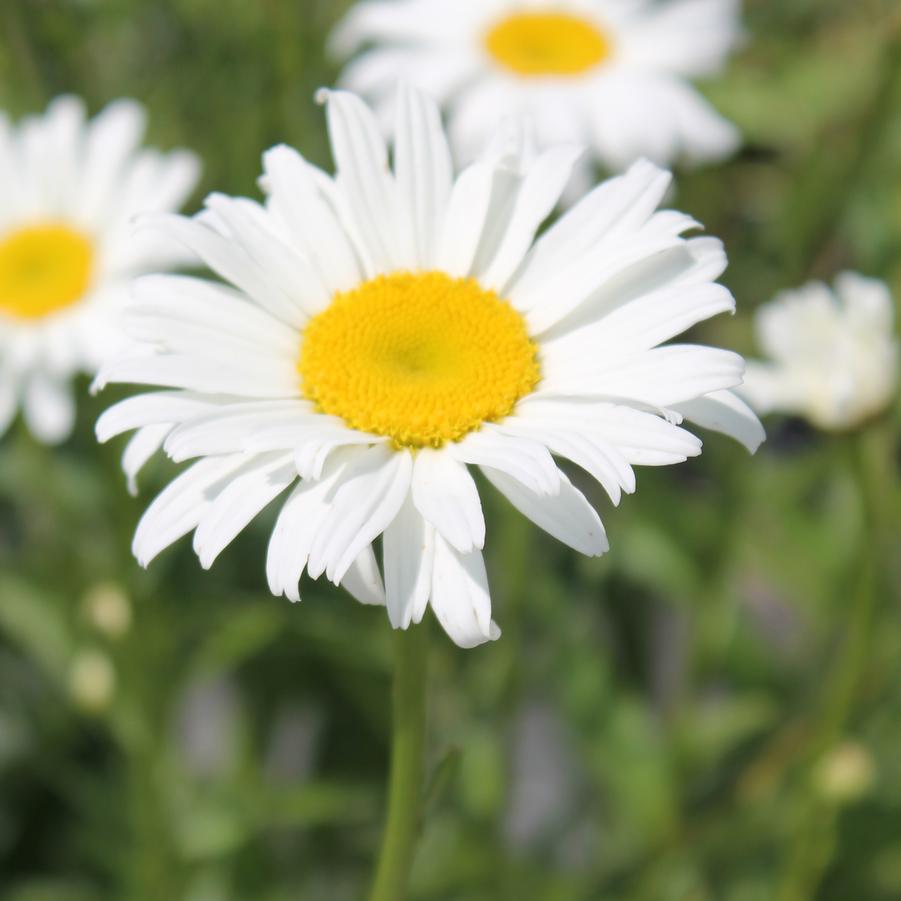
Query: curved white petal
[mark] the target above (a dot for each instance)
(567, 516)
(298, 525)
(364, 581)
(369, 495)
(145, 442)
(460, 596)
(239, 502)
(541, 188)
(181, 505)
(424, 172)
(724, 411)
(408, 549)
(446, 496)
(309, 221)
(525, 460)
(49, 407)
(364, 179)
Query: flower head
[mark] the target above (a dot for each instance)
(610, 74)
(834, 354)
(380, 332)
(69, 190)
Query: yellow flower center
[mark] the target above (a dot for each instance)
(43, 268)
(548, 43)
(422, 358)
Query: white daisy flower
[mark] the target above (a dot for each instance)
(834, 354)
(68, 190)
(384, 330)
(610, 74)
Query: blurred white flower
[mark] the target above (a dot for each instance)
(109, 610)
(383, 330)
(846, 774)
(610, 74)
(68, 191)
(834, 354)
(92, 680)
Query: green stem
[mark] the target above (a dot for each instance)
(407, 767)
(814, 840)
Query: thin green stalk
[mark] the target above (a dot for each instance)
(405, 795)
(815, 832)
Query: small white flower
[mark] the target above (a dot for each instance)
(382, 331)
(68, 191)
(609, 74)
(834, 354)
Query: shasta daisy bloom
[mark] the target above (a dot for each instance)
(378, 333)
(610, 74)
(834, 356)
(68, 191)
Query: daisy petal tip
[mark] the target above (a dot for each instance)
(98, 383)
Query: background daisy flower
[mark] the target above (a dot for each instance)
(834, 355)
(611, 74)
(382, 331)
(68, 191)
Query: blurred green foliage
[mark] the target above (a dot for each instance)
(676, 721)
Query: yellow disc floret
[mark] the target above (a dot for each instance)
(43, 268)
(548, 44)
(421, 358)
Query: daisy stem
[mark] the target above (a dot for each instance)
(405, 792)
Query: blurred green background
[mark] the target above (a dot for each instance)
(708, 712)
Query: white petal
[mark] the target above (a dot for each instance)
(170, 310)
(181, 505)
(724, 412)
(541, 189)
(692, 38)
(371, 492)
(8, 401)
(250, 226)
(408, 548)
(636, 325)
(557, 298)
(460, 596)
(295, 199)
(615, 208)
(660, 377)
(868, 301)
(423, 168)
(445, 494)
(239, 427)
(639, 436)
(438, 71)
(568, 516)
(49, 408)
(112, 137)
(361, 163)
(363, 580)
(594, 454)
(527, 461)
(250, 376)
(298, 525)
(143, 445)
(153, 408)
(476, 191)
(230, 257)
(318, 442)
(239, 502)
